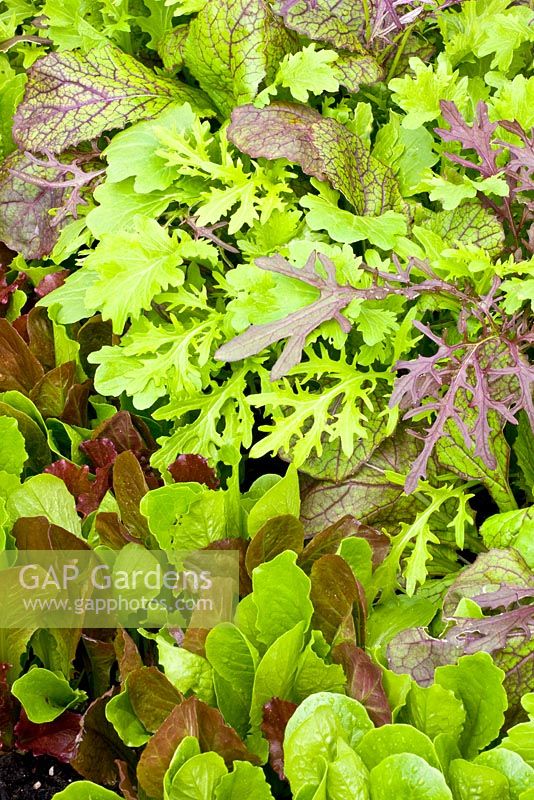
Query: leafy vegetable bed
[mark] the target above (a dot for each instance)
(266, 287)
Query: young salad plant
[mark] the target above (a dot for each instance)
(267, 288)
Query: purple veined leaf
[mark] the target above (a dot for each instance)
(322, 147)
(338, 22)
(297, 326)
(492, 572)
(25, 222)
(504, 597)
(58, 739)
(276, 715)
(32, 187)
(477, 137)
(71, 97)
(466, 383)
(364, 681)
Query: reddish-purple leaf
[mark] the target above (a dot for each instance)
(152, 696)
(7, 708)
(328, 540)
(37, 533)
(276, 715)
(275, 536)
(101, 658)
(40, 337)
(25, 222)
(51, 282)
(364, 681)
(100, 746)
(19, 369)
(477, 137)
(111, 531)
(58, 739)
(236, 543)
(126, 785)
(190, 718)
(194, 468)
(129, 487)
(338, 599)
(101, 452)
(88, 493)
(128, 656)
(322, 147)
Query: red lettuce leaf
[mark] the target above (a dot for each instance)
(190, 718)
(19, 369)
(364, 681)
(87, 493)
(58, 739)
(100, 746)
(276, 715)
(339, 603)
(191, 467)
(7, 708)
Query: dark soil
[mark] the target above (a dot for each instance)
(24, 777)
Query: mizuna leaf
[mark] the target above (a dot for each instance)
(232, 46)
(339, 22)
(322, 147)
(71, 97)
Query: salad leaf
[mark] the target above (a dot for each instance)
(71, 97)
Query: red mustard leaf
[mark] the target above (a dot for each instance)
(322, 147)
